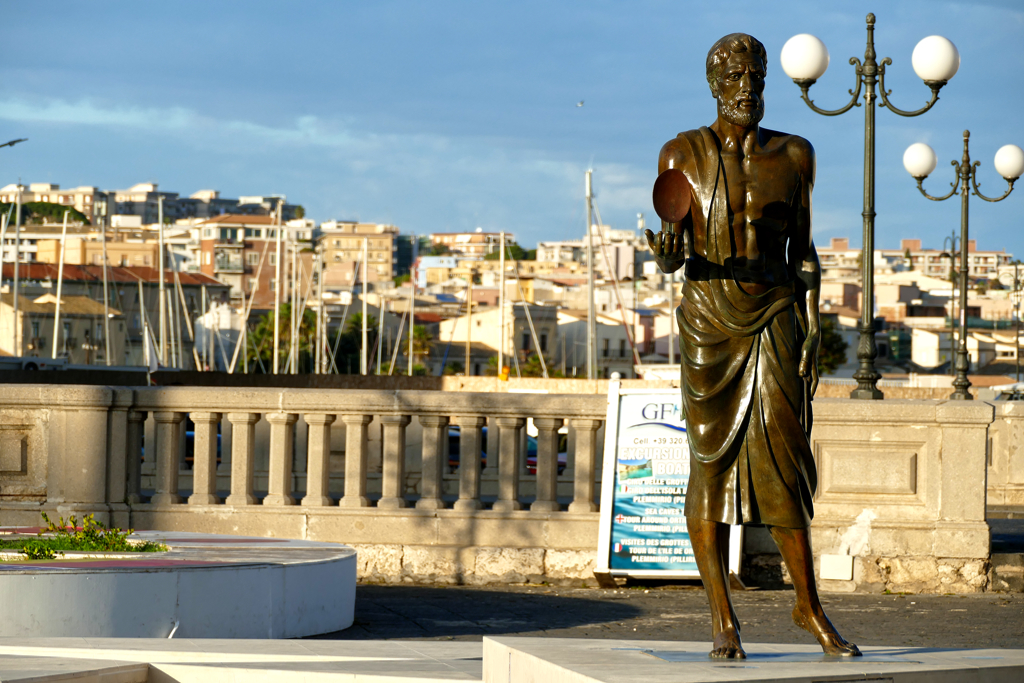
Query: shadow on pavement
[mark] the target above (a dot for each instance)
(431, 612)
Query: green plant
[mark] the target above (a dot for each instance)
(38, 550)
(92, 535)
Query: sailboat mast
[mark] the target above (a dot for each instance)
(106, 292)
(60, 285)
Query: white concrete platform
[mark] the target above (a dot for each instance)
(205, 586)
(496, 660)
(134, 660)
(572, 660)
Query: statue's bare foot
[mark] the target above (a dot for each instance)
(727, 645)
(821, 628)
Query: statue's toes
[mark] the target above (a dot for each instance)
(837, 646)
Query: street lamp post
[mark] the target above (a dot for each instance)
(1015, 293)
(919, 160)
(950, 253)
(805, 59)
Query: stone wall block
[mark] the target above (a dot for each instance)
(569, 564)
(438, 564)
(378, 562)
(509, 565)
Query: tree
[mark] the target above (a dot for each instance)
(453, 368)
(532, 368)
(300, 211)
(513, 251)
(46, 212)
(832, 350)
(261, 340)
(420, 343)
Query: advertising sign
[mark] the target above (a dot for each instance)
(646, 467)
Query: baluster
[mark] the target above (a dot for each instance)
(204, 459)
(168, 435)
(318, 459)
(243, 450)
(282, 442)
(435, 459)
(470, 449)
(117, 450)
(586, 463)
(133, 467)
(355, 461)
(508, 464)
(547, 464)
(393, 476)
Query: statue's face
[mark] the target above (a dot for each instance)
(740, 89)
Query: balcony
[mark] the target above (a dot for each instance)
(228, 261)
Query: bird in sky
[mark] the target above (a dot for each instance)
(580, 103)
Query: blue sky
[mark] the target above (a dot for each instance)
(440, 116)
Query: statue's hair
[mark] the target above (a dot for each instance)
(720, 51)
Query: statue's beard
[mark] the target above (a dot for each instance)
(739, 116)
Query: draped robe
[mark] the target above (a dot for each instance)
(747, 409)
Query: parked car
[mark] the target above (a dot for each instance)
(454, 452)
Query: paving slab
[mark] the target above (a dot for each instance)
(117, 660)
(571, 660)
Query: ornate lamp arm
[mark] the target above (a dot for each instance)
(974, 182)
(805, 86)
(952, 192)
(884, 94)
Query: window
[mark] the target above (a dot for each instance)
(207, 232)
(252, 258)
(273, 259)
(209, 257)
(526, 341)
(273, 284)
(146, 260)
(622, 348)
(35, 328)
(605, 349)
(543, 342)
(99, 331)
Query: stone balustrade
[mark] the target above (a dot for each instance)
(902, 483)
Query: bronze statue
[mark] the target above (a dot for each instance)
(749, 332)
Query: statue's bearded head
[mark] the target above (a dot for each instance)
(736, 67)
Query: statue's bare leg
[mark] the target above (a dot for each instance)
(795, 546)
(710, 542)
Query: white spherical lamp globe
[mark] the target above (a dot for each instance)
(1010, 162)
(804, 57)
(919, 160)
(935, 59)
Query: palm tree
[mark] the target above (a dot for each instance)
(261, 340)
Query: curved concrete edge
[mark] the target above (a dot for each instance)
(238, 598)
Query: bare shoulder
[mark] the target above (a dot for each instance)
(796, 148)
(677, 152)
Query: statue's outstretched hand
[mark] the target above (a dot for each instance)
(667, 246)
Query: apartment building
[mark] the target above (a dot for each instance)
(342, 243)
(134, 299)
(241, 252)
(82, 250)
(143, 200)
(838, 260)
(477, 243)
